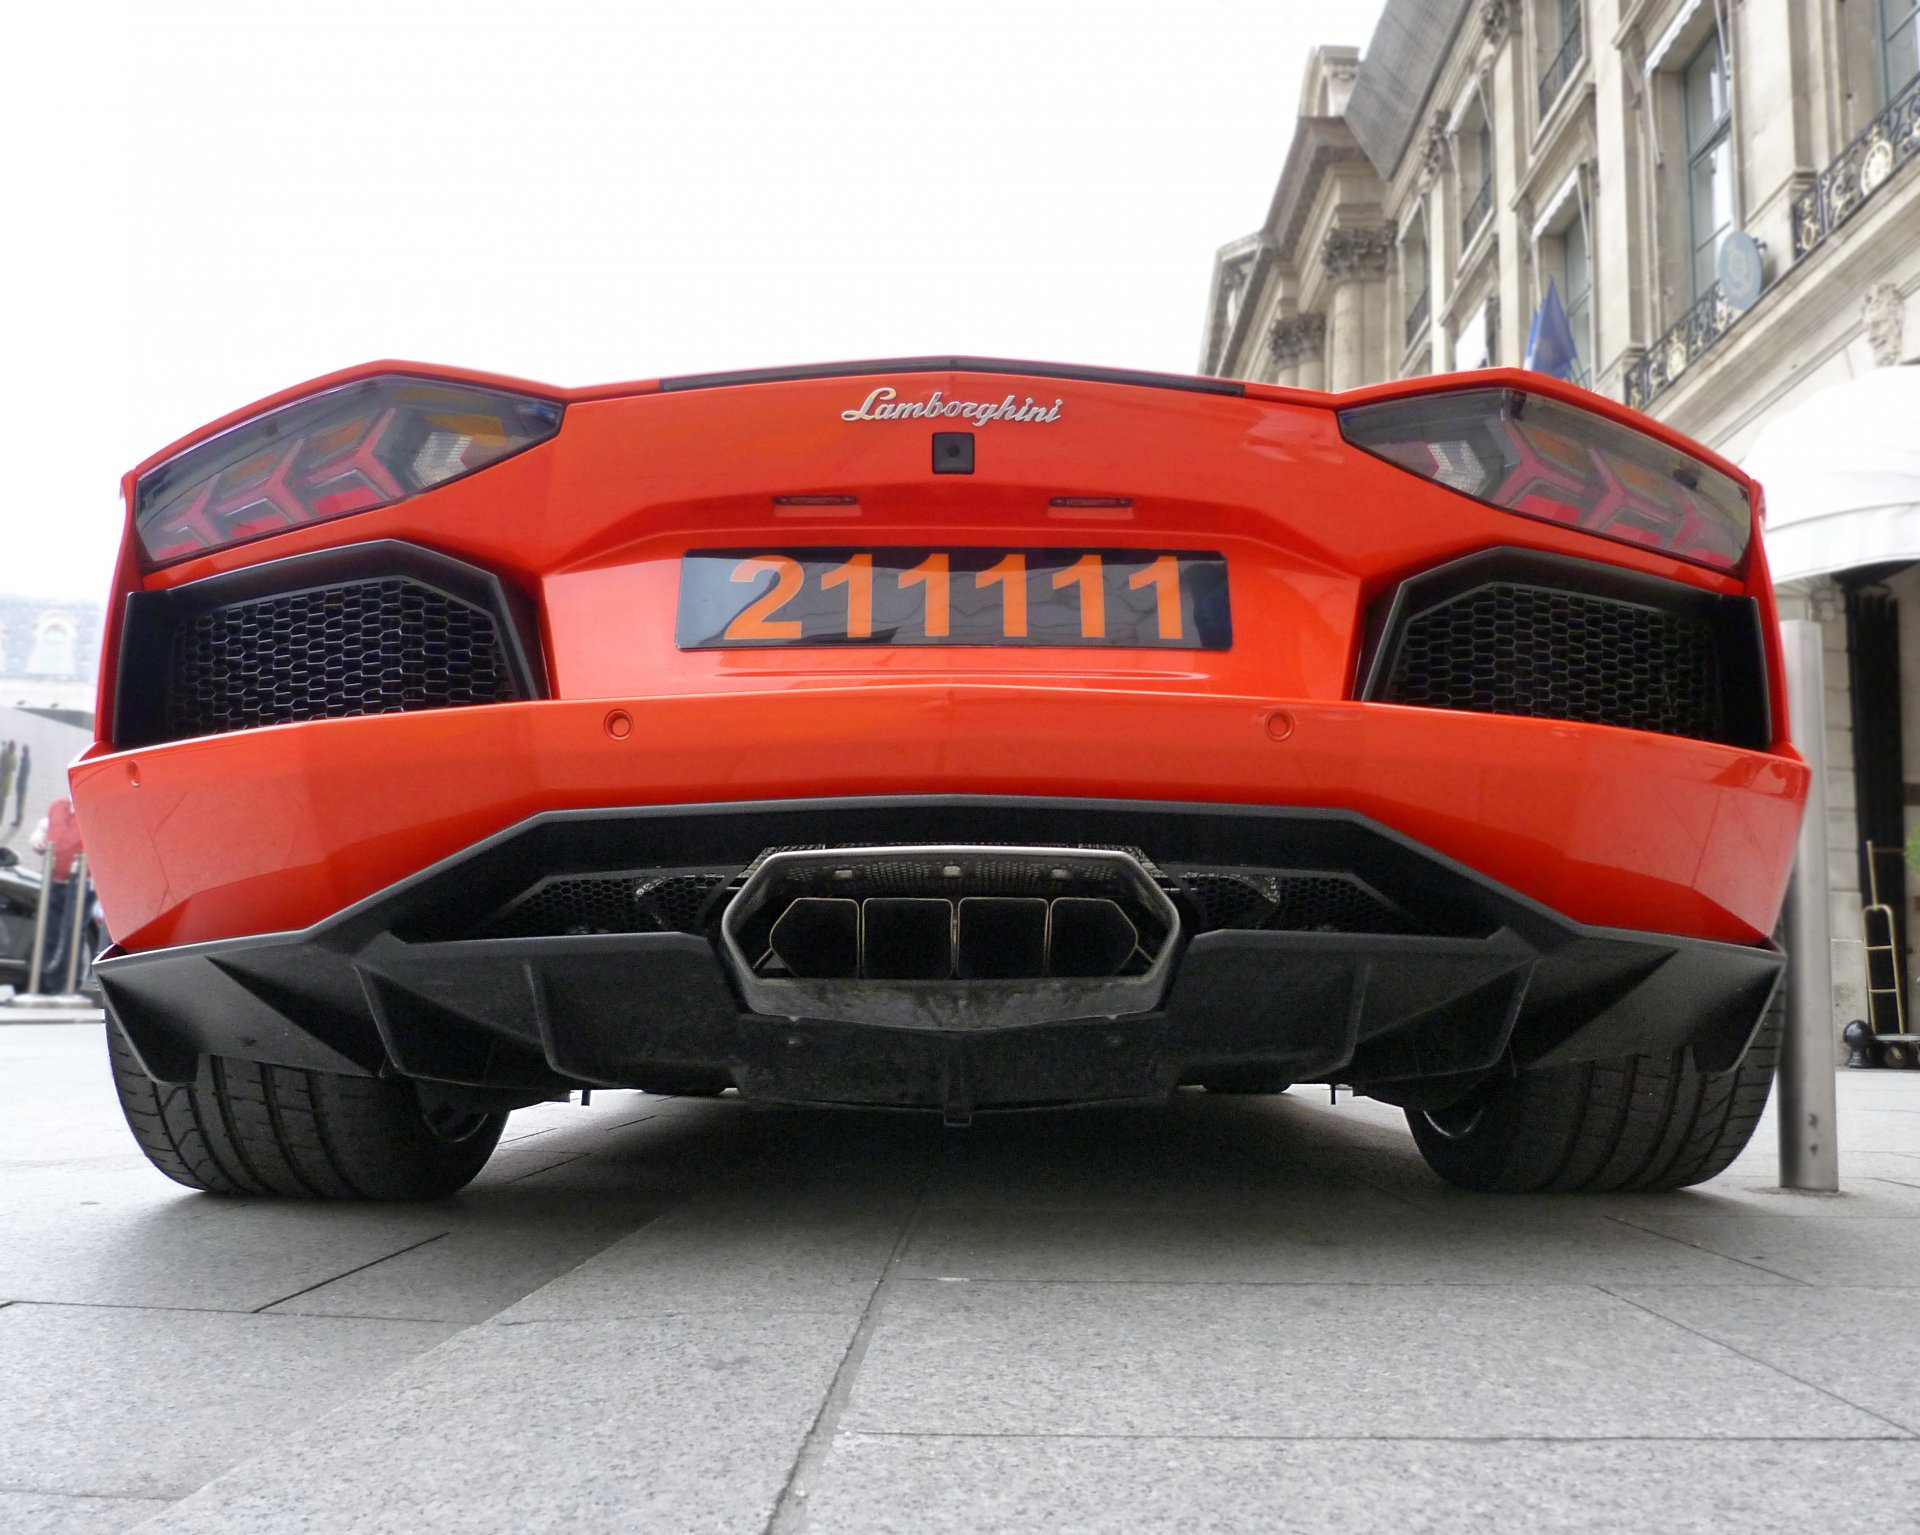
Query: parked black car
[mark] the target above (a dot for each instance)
(19, 905)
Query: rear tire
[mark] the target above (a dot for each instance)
(1638, 1122)
(247, 1128)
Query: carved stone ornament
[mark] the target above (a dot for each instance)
(1433, 152)
(1233, 278)
(1345, 71)
(1496, 20)
(1296, 338)
(1883, 314)
(1351, 254)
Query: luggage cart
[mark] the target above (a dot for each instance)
(1886, 989)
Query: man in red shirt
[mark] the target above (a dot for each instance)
(58, 832)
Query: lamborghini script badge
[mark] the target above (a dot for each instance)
(885, 404)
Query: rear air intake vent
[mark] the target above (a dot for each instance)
(1507, 649)
(1549, 638)
(369, 647)
(381, 628)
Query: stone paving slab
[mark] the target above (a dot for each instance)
(588, 1428)
(1338, 1242)
(738, 1256)
(131, 1402)
(1813, 1248)
(36, 1013)
(141, 1242)
(44, 1513)
(665, 1314)
(1851, 1342)
(470, 1274)
(891, 1485)
(1315, 1361)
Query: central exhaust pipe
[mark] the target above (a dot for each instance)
(950, 936)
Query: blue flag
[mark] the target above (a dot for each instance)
(1550, 342)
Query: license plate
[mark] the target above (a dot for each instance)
(758, 598)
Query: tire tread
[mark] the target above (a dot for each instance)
(244, 1127)
(1636, 1123)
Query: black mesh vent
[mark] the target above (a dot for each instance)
(608, 903)
(1290, 902)
(678, 903)
(364, 647)
(1510, 648)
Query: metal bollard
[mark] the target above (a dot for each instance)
(1809, 1146)
(32, 987)
(77, 925)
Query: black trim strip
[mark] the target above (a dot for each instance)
(953, 365)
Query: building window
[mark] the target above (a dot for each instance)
(1477, 174)
(1709, 161)
(1473, 343)
(1899, 44)
(1572, 49)
(1413, 278)
(1576, 293)
(53, 648)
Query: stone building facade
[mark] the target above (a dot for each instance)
(49, 652)
(1725, 194)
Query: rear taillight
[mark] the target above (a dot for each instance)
(350, 449)
(1533, 455)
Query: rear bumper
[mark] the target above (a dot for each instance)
(411, 979)
(276, 829)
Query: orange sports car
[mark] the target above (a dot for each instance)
(942, 734)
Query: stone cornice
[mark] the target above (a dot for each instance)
(1320, 144)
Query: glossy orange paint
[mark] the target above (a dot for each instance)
(272, 829)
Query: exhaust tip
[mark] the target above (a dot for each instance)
(1090, 937)
(1002, 938)
(907, 939)
(950, 936)
(818, 936)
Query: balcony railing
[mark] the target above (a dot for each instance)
(1573, 49)
(1417, 317)
(1477, 212)
(1683, 345)
(1864, 166)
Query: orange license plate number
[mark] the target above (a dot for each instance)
(757, 598)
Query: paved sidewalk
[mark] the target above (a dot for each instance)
(664, 1315)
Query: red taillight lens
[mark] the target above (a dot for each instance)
(350, 449)
(1529, 454)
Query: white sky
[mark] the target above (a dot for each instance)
(214, 199)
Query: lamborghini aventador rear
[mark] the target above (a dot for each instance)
(945, 734)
